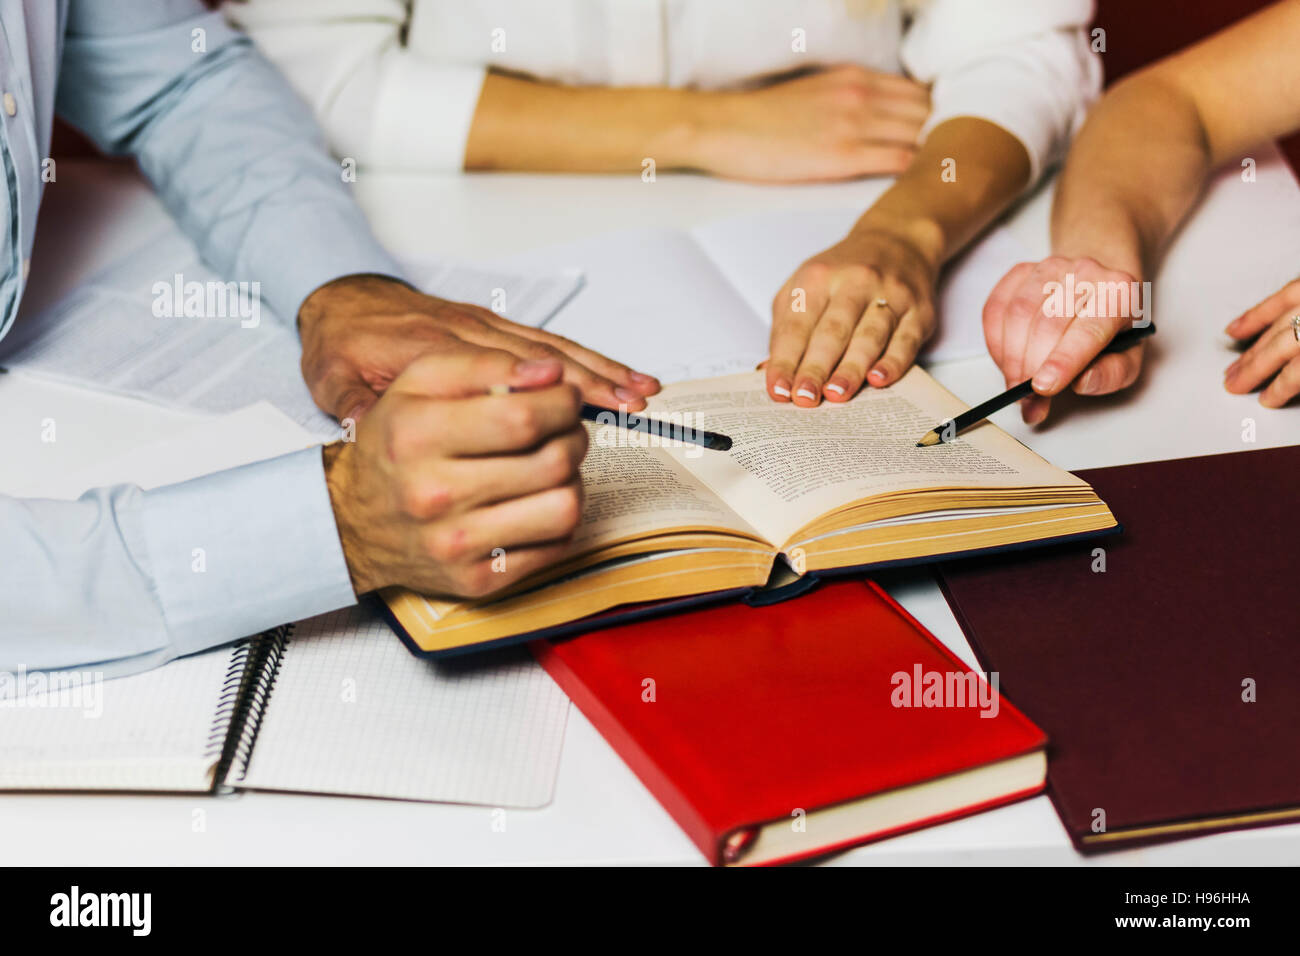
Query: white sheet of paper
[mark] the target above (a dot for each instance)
(653, 301)
(106, 334)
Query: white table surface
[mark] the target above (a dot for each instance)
(601, 813)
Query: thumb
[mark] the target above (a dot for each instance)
(464, 372)
(344, 395)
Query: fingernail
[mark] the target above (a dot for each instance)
(643, 379)
(836, 387)
(1231, 370)
(1045, 381)
(878, 375)
(626, 394)
(808, 392)
(781, 388)
(1087, 382)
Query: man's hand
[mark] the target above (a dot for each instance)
(359, 333)
(442, 473)
(1031, 333)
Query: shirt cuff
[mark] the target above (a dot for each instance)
(1039, 93)
(243, 550)
(423, 114)
(303, 267)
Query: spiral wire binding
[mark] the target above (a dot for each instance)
(250, 678)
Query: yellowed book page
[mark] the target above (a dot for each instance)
(788, 466)
(632, 489)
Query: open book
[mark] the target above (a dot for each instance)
(825, 489)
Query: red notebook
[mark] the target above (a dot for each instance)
(788, 731)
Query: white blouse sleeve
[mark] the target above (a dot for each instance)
(1028, 67)
(378, 103)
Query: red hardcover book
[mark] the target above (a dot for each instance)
(792, 730)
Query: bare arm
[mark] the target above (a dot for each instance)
(1142, 158)
(832, 124)
(1134, 172)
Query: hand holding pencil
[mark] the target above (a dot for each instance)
(1051, 322)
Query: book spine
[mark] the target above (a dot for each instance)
(244, 698)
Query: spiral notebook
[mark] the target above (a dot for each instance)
(333, 704)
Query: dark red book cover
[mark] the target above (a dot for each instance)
(737, 716)
(1167, 678)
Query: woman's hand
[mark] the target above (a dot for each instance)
(1032, 331)
(858, 312)
(834, 124)
(1276, 352)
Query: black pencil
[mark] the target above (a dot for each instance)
(653, 426)
(946, 431)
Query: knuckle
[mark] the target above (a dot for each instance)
(813, 273)
(474, 580)
(852, 94)
(568, 508)
(858, 275)
(424, 500)
(1097, 331)
(400, 443)
(572, 396)
(908, 342)
(555, 464)
(835, 327)
(813, 370)
(522, 422)
(446, 545)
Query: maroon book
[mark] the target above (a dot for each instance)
(1169, 682)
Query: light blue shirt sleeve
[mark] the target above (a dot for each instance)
(125, 579)
(234, 153)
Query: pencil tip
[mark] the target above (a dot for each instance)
(931, 438)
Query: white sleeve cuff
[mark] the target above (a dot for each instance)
(240, 551)
(422, 114)
(1039, 92)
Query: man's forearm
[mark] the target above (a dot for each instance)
(967, 172)
(1133, 174)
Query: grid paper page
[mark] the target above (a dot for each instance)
(149, 731)
(353, 712)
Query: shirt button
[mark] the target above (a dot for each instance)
(11, 104)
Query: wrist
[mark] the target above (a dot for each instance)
(1116, 243)
(322, 298)
(696, 134)
(337, 460)
(921, 234)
